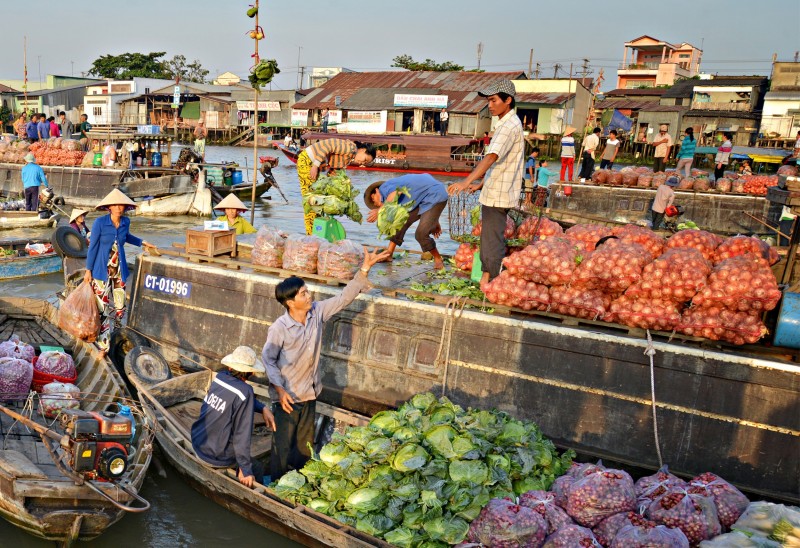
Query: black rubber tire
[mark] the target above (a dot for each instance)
(68, 242)
(59, 201)
(147, 365)
(122, 341)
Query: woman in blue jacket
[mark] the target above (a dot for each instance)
(106, 267)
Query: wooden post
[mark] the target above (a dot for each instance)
(255, 131)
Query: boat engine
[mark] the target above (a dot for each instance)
(672, 213)
(99, 443)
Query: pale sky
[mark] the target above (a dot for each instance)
(737, 36)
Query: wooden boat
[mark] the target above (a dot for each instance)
(733, 410)
(37, 493)
(242, 190)
(434, 154)
(175, 404)
(16, 263)
(24, 219)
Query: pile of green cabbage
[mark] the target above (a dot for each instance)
(333, 195)
(393, 216)
(419, 475)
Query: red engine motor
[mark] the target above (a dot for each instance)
(99, 443)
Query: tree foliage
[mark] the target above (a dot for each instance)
(148, 65)
(408, 63)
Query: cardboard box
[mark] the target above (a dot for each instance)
(210, 243)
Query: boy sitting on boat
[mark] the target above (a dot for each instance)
(221, 435)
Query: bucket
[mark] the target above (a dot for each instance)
(567, 190)
(98, 159)
(236, 177)
(156, 159)
(138, 160)
(787, 333)
(329, 229)
(227, 180)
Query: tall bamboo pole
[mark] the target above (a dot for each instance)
(255, 130)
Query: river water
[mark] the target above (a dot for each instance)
(180, 516)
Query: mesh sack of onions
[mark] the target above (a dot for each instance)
(695, 515)
(721, 324)
(465, 254)
(729, 501)
(544, 503)
(613, 267)
(15, 378)
(533, 228)
(607, 530)
(742, 245)
(788, 170)
(15, 348)
(571, 536)
(600, 177)
(703, 241)
(590, 304)
(741, 283)
(649, 488)
(504, 524)
(659, 179)
(509, 233)
(56, 363)
(57, 396)
(598, 495)
(301, 253)
(642, 169)
(738, 186)
(651, 241)
(549, 262)
(588, 234)
(687, 183)
(677, 276)
(268, 248)
(616, 178)
(645, 180)
(723, 184)
(630, 178)
(702, 184)
(341, 259)
(656, 314)
(561, 485)
(649, 535)
(510, 291)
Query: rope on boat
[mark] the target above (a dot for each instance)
(453, 310)
(650, 351)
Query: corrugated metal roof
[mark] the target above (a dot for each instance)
(544, 98)
(664, 108)
(727, 114)
(6, 89)
(633, 92)
(783, 95)
(48, 91)
(684, 88)
(192, 87)
(627, 104)
(347, 84)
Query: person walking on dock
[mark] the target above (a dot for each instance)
(663, 144)
(590, 144)
(723, 157)
(291, 356)
(686, 153)
(333, 154)
(221, 435)
(501, 170)
(429, 197)
(568, 154)
(32, 176)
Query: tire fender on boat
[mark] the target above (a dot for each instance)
(448, 168)
(405, 165)
(147, 365)
(68, 242)
(122, 341)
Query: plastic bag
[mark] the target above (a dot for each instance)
(695, 515)
(561, 485)
(651, 241)
(572, 536)
(268, 248)
(770, 520)
(649, 488)
(549, 262)
(723, 184)
(503, 524)
(544, 503)
(742, 283)
(15, 348)
(301, 253)
(55, 363)
(57, 396)
(79, 315)
(546, 228)
(645, 180)
(15, 378)
(676, 276)
(340, 260)
(71, 145)
(704, 242)
(600, 494)
(630, 178)
(649, 536)
(737, 539)
(702, 184)
(729, 501)
(465, 255)
(588, 235)
(607, 530)
(737, 186)
(590, 304)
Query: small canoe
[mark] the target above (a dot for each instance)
(175, 405)
(29, 265)
(24, 219)
(242, 190)
(43, 496)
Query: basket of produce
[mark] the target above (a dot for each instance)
(463, 214)
(333, 196)
(53, 366)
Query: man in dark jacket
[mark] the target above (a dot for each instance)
(221, 435)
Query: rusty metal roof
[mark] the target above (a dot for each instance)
(544, 98)
(626, 104)
(6, 89)
(346, 84)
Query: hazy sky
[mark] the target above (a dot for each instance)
(737, 36)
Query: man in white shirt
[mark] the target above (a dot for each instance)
(663, 143)
(501, 170)
(590, 144)
(444, 119)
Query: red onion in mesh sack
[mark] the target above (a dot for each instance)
(676, 276)
(465, 255)
(601, 494)
(588, 234)
(658, 179)
(561, 485)
(341, 259)
(607, 530)
(544, 503)
(15, 378)
(590, 304)
(55, 363)
(533, 228)
(645, 180)
(651, 241)
(600, 177)
(613, 267)
(743, 283)
(704, 242)
(503, 524)
(268, 248)
(702, 184)
(549, 262)
(729, 501)
(649, 536)
(508, 234)
(616, 178)
(743, 245)
(721, 324)
(507, 290)
(687, 183)
(630, 178)
(572, 536)
(301, 253)
(15, 348)
(695, 515)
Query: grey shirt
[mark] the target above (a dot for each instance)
(67, 129)
(291, 353)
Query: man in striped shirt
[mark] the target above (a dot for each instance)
(568, 153)
(331, 154)
(502, 169)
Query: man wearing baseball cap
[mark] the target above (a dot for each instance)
(663, 144)
(501, 169)
(665, 195)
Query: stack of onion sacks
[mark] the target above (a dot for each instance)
(676, 276)
(641, 235)
(613, 267)
(704, 242)
(549, 262)
(507, 290)
(743, 245)
(587, 235)
(533, 228)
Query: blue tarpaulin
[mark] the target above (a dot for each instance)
(619, 121)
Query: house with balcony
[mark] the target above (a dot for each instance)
(780, 120)
(648, 62)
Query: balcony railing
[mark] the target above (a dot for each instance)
(638, 66)
(735, 107)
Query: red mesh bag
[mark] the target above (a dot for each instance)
(588, 235)
(503, 524)
(613, 267)
(561, 485)
(300, 253)
(549, 262)
(544, 503)
(641, 235)
(598, 495)
(743, 283)
(590, 304)
(695, 515)
(653, 314)
(600, 177)
(509, 233)
(704, 242)
(729, 501)
(742, 245)
(510, 291)
(630, 178)
(571, 536)
(607, 530)
(546, 228)
(645, 180)
(659, 179)
(616, 178)
(649, 536)
(721, 324)
(465, 254)
(677, 276)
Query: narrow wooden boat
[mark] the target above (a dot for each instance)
(24, 219)
(175, 404)
(16, 263)
(242, 190)
(42, 494)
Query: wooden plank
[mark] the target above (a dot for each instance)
(339, 414)
(18, 465)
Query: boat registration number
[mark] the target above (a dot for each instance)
(167, 285)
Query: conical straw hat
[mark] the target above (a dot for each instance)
(116, 197)
(77, 212)
(231, 201)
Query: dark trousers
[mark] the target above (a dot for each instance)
(659, 164)
(428, 222)
(290, 441)
(719, 172)
(657, 219)
(443, 127)
(587, 166)
(493, 241)
(32, 198)
(606, 164)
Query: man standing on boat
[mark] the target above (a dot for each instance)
(430, 198)
(65, 126)
(84, 127)
(32, 176)
(291, 356)
(444, 119)
(333, 154)
(501, 169)
(200, 134)
(221, 435)
(32, 129)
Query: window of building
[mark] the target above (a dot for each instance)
(97, 111)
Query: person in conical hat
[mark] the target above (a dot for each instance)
(233, 206)
(77, 220)
(106, 266)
